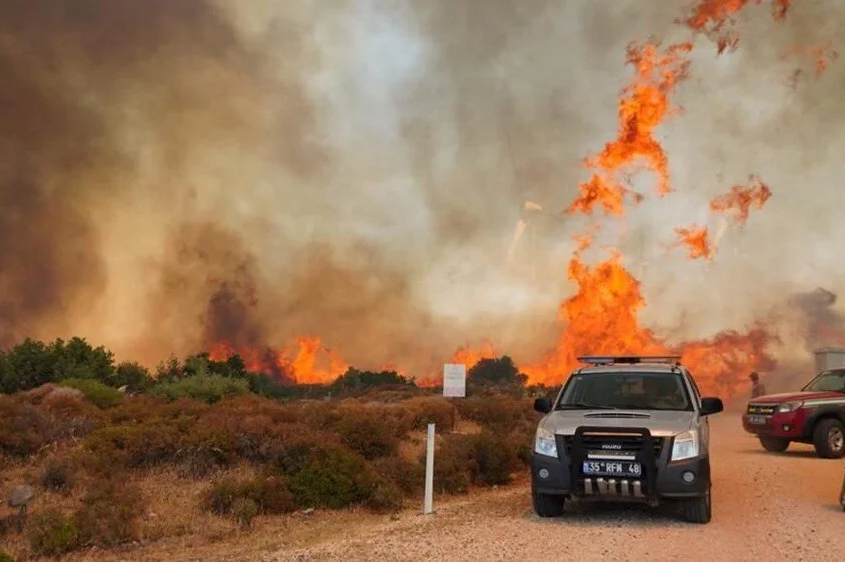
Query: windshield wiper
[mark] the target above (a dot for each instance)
(584, 405)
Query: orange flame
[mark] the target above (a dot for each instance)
(739, 200)
(305, 362)
(696, 240)
(644, 105)
(602, 316)
(712, 16)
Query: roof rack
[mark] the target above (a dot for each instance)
(609, 360)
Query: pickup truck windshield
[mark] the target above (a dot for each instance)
(625, 390)
(828, 381)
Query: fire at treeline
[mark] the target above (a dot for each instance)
(66, 174)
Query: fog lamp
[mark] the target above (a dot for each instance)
(688, 477)
(544, 473)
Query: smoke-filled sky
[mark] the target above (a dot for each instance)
(177, 173)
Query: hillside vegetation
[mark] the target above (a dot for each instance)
(121, 457)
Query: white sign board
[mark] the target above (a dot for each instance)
(455, 380)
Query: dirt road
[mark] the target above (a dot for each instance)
(765, 505)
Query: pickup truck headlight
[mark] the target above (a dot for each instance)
(789, 407)
(685, 446)
(544, 444)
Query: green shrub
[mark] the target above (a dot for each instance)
(493, 459)
(57, 477)
(334, 478)
(51, 533)
(97, 393)
(131, 375)
(244, 511)
(204, 388)
(6, 557)
(452, 465)
(109, 513)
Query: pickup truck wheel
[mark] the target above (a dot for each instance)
(698, 510)
(774, 444)
(829, 439)
(548, 506)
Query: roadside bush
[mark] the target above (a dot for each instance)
(51, 533)
(57, 477)
(497, 413)
(407, 476)
(334, 478)
(484, 459)
(97, 393)
(6, 557)
(109, 513)
(384, 496)
(204, 388)
(271, 495)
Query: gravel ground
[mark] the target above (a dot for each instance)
(777, 506)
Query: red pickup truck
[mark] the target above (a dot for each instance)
(815, 415)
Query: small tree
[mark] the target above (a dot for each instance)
(499, 372)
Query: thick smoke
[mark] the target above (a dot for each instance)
(177, 173)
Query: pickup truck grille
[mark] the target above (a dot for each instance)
(614, 443)
(762, 409)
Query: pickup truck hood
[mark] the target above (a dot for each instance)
(659, 423)
(796, 396)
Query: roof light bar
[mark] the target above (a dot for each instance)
(608, 360)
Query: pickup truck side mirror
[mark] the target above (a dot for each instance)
(711, 406)
(543, 405)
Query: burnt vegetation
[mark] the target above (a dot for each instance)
(89, 433)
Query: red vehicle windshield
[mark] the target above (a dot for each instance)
(828, 381)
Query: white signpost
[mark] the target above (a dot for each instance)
(455, 380)
(454, 386)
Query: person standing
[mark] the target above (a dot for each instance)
(757, 388)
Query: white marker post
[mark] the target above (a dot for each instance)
(428, 506)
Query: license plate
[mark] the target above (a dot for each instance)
(613, 468)
(757, 420)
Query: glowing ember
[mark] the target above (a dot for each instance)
(696, 241)
(644, 105)
(737, 203)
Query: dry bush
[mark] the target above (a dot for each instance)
(271, 495)
(484, 459)
(6, 557)
(244, 511)
(57, 476)
(25, 428)
(426, 410)
(497, 413)
(52, 533)
(110, 513)
(407, 476)
(203, 449)
(366, 431)
(134, 446)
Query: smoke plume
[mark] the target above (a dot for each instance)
(179, 173)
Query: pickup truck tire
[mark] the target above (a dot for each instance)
(698, 510)
(548, 506)
(829, 438)
(774, 444)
